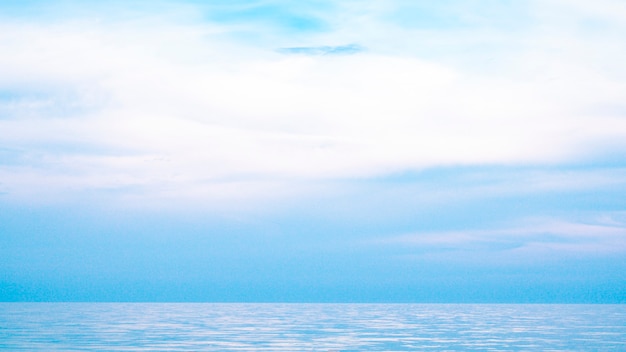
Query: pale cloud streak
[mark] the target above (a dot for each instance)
(528, 239)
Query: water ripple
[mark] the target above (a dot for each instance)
(310, 327)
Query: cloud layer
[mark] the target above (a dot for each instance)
(151, 103)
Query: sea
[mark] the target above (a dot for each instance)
(311, 327)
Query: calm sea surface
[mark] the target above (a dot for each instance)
(310, 327)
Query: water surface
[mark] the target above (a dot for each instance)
(310, 327)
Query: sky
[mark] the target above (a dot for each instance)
(313, 151)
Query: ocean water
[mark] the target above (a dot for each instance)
(310, 327)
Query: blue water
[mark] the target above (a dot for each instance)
(310, 327)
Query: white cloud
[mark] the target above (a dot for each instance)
(175, 108)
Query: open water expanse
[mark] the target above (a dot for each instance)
(310, 327)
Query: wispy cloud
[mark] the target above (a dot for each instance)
(545, 237)
(347, 49)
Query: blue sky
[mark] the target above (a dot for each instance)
(343, 151)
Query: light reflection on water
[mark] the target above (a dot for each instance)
(310, 327)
